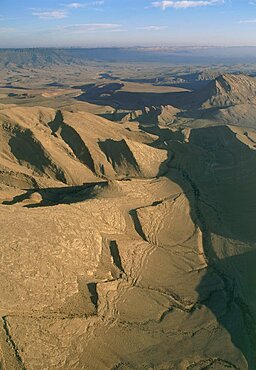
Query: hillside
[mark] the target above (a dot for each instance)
(49, 146)
(101, 220)
(227, 90)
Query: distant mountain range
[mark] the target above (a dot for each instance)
(39, 57)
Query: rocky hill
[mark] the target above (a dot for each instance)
(125, 250)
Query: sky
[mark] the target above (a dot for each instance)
(97, 23)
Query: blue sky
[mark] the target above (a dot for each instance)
(91, 23)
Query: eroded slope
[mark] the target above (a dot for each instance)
(149, 264)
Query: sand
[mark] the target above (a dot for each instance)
(124, 247)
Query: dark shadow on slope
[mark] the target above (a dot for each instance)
(56, 123)
(234, 305)
(115, 116)
(92, 287)
(112, 95)
(93, 90)
(147, 116)
(137, 224)
(114, 251)
(216, 171)
(29, 151)
(26, 149)
(120, 157)
(63, 195)
(73, 140)
(126, 100)
(164, 134)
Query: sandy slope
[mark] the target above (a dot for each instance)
(123, 250)
(41, 146)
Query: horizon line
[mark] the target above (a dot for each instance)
(126, 47)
